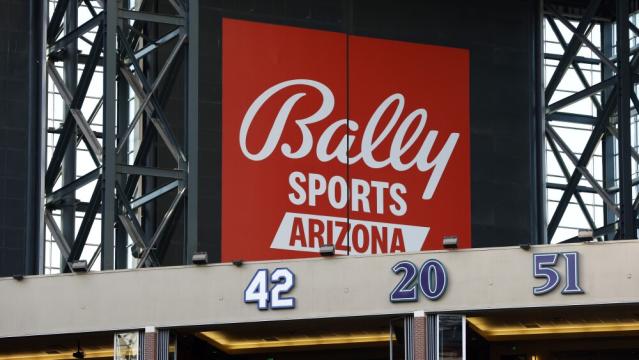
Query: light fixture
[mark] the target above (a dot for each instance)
(525, 246)
(200, 258)
(233, 345)
(496, 331)
(327, 250)
(80, 266)
(136, 251)
(90, 353)
(584, 234)
(450, 242)
(238, 262)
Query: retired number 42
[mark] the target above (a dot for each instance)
(268, 291)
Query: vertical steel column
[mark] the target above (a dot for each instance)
(149, 210)
(537, 130)
(125, 43)
(626, 226)
(34, 253)
(608, 145)
(108, 131)
(121, 237)
(69, 164)
(163, 344)
(192, 99)
(431, 337)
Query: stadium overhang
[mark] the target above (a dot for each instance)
(525, 277)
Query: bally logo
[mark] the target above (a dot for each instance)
(336, 139)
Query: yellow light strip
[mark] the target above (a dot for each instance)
(41, 356)
(229, 345)
(483, 326)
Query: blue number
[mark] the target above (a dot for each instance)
(284, 281)
(257, 290)
(542, 268)
(572, 274)
(406, 290)
(433, 279)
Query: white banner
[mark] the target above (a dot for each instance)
(306, 232)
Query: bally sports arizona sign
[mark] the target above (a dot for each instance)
(336, 139)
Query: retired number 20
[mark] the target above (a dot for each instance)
(431, 279)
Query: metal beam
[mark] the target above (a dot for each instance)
(580, 189)
(76, 34)
(572, 118)
(577, 59)
(85, 226)
(67, 207)
(591, 145)
(108, 129)
(583, 170)
(566, 173)
(148, 171)
(142, 87)
(192, 110)
(54, 167)
(70, 188)
(161, 227)
(151, 17)
(626, 218)
(560, 104)
(584, 39)
(57, 234)
(575, 64)
(123, 50)
(573, 48)
(144, 199)
(54, 27)
(157, 43)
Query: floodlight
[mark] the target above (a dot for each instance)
(200, 258)
(584, 234)
(238, 262)
(327, 250)
(450, 242)
(525, 246)
(80, 266)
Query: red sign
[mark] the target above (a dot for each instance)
(327, 138)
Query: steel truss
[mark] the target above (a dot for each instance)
(615, 101)
(126, 188)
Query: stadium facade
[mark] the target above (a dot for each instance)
(184, 179)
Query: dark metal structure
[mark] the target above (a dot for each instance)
(615, 100)
(144, 182)
(136, 81)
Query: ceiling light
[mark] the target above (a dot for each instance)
(495, 330)
(89, 354)
(232, 345)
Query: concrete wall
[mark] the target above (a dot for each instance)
(15, 118)
(478, 279)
